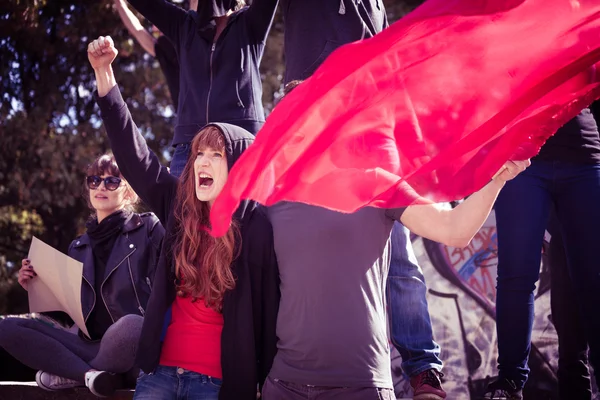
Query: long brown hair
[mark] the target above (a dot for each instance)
(202, 262)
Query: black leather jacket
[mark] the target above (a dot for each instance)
(129, 270)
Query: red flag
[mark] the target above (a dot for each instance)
(427, 110)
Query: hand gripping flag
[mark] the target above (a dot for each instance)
(427, 110)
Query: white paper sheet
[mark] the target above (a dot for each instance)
(57, 286)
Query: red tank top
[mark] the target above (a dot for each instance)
(193, 339)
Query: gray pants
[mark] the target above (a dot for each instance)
(275, 389)
(43, 347)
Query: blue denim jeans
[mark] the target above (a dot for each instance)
(180, 157)
(172, 383)
(522, 211)
(410, 324)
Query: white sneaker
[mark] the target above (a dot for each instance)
(102, 383)
(48, 381)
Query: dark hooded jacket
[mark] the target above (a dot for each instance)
(209, 9)
(220, 82)
(248, 341)
(315, 28)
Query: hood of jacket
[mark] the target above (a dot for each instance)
(237, 140)
(209, 9)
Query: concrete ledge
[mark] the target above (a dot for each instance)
(30, 391)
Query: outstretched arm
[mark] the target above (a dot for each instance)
(135, 28)
(456, 227)
(138, 164)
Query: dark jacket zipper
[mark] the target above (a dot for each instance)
(212, 51)
(134, 289)
(104, 281)
(94, 303)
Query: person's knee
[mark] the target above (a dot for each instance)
(11, 329)
(131, 322)
(119, 345)
(128, 326)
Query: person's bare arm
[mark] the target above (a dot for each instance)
(135, 28)
(456, 227)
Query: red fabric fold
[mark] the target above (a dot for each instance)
(427, 110)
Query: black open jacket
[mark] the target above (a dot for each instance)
(130, 268)
(248, 341)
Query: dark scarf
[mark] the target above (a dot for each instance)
(103, 236)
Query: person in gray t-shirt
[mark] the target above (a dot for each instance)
(333, 267)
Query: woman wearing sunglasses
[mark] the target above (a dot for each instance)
(224, 292)
(119, 252)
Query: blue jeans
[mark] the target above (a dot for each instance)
(180, 157)
(172, 383)
(522, 211)
(410, 324)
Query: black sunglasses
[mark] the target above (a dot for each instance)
(110, 182)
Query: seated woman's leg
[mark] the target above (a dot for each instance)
(42, 347)
(115, 357)
(119, 344)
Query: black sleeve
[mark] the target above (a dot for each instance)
(409, 193)
(270, 305)
(138, 164)
(260, 17)
(266, 294)
(168, 18)
(156, 234)
(270, 296)
(156, 231)
(169, 65)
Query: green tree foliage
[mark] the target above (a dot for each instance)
(50, 128)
